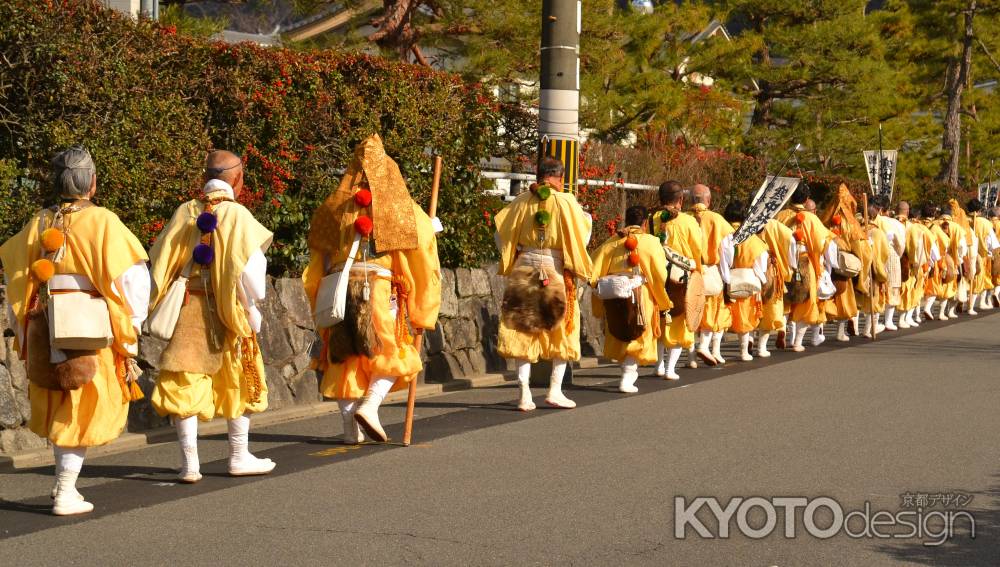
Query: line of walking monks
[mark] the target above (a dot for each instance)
(375, 249)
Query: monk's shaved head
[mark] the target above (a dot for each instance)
(701, 194)
(225, 166)
(810, 206)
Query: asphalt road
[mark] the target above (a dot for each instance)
(914, 413)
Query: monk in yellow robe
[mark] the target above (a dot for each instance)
(995, 220)
(371, 231)
(986, 241)
(681, 233)
(928, 260)
(782, 250)
(636, 257)
(212, 366)
(969, 264)
(911, 292)
(958, 247)
(543, 236)
(717, 256)
(840, 218)
(79, 398)
(752, 255)
(895, 231)
(872, 288)
(817, 248)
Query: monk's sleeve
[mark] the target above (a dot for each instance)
(312, 276)
(575, 231)
(423, 269)
(655, 269)
(599, 260)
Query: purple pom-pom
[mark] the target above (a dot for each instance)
(203, 254)
(207, 222)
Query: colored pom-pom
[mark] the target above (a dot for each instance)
(543, 192)
(363, 198)
(203, 254)
(363, 225)
(837, 220)
(543, 218)
(664, 216)
(800, 234)
(631, 243)
(800, 216)
(633, 259)
(52, 239)
(546, 282)
(533, 187)
(43, 269)
(663, 237)
(207, 222)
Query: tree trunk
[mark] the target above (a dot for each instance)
(958, 72)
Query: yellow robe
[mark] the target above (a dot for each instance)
(844, 305)
(100, 247)
(612, 258)
(568, 231)
(874, 255)
(683, 234)
(237, 237)
(996, 229)
(816, 238)
(984, 277)
(717, 317)
(418, 273)
(746, 313)
(778, 238)
(935, 281)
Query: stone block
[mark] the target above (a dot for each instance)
(293, 300)
(150, 351)
(442, 367)
(472, 282)
(18, 440)
(434, 340)
(10, 414)
(459, 334)
(477, 362)
(449, 300)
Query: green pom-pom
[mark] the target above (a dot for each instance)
(663, 237)
(544, 192)
(542, 218)
(664, 216)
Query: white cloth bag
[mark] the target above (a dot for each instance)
(79, 321)
(331, 298)
(743, 283)
(164, 318)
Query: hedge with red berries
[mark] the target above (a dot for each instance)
(148, 103)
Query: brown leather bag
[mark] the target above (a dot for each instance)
(624, 319)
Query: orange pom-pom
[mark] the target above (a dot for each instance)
(837, 220)
(633, 259)
(800, 216)
(43, 269)
(800, 235)
(52, 239)
(631, 243)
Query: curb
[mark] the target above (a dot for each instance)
(127, 442)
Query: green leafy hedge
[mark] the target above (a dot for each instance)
(148, 103)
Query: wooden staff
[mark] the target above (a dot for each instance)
(871, 273)
(411, 397)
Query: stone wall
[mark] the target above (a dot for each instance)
(463, 344)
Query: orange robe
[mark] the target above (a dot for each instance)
(716, 317)
(815, 238)
(746, 313)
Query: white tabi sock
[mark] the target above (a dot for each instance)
(524, 380)
(675, 355)
(762, 345)
(842, 331)
(556, 398)
(800, 335)
(352, 431)
(69, 463)
(187, 438)
(890, 313)
(630, 373)
(241, 461)
(717, 347)
(661, 364)
(745, 347)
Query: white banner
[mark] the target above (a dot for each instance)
(770, 198)
(988, 194)
(881, 186)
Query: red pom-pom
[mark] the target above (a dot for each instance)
(800, 235)
(631, 243)
(800, 216)
(633, 259)
(545, 282)
(837, 220)
(363, 226)
(363, 198)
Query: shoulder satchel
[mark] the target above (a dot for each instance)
(163, 320)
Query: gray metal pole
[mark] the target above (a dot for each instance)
(559, 108)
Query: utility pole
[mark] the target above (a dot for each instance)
(559, 109)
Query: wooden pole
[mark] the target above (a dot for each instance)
(411, 397)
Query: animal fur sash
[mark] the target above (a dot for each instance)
(78, 369)
(529, 305)
(190, 349)
(356, 334)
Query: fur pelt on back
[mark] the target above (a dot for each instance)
(528, 305)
